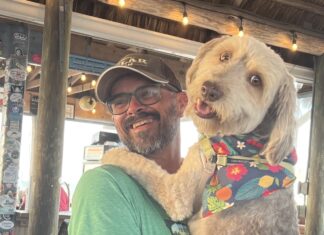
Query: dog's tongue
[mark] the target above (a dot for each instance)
(203, 109)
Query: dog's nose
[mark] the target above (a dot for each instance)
(210, 91)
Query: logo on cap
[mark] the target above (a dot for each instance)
(130, 61)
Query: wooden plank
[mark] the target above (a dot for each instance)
(315, 198)
(32, 84)
(306, 6)
(33, 74)
(48, 144)
(225, 21)
(97, 50)
(80, 88)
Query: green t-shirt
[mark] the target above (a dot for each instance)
(108, 201)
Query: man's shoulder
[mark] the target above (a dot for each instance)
(107, 172)
(110, 174)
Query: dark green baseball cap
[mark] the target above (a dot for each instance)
(152, 67)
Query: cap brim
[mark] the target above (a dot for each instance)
(108, 77)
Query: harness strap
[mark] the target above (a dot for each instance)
(208, 159)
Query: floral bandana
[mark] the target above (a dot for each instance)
(242, 173)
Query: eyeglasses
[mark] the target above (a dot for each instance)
(145, 95)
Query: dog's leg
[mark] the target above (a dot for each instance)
(175, 192)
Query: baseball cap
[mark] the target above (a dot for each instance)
(150, 66)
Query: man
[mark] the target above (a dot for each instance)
(146, 103)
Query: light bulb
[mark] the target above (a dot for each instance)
(294, 41)
(121, 3)
(29, 68)
(83, 77)
(241, 32)
(69, 89)
(185, 19)
(93, 111)
(294, 47)
(93, 82)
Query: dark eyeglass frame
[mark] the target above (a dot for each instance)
(129, 96)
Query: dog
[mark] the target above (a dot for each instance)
(242, 99)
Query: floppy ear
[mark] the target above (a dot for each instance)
(282, 134)
(191, 73)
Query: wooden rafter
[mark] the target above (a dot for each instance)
(225, 21)
(33, 74)
(31, 84)
(81, 88)
(307, 6)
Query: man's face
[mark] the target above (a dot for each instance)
(146, 128)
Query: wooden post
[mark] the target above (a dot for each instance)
(315, 198)
(47, 160)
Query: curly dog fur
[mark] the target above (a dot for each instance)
(235, 86)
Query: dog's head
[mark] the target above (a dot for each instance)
(237, 85)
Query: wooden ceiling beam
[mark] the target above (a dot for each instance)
(224, 20)
(31, 84)
(74, 79)
(33, 74)
(81, 88)
(306, 6)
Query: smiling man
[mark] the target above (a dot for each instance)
(146, 102)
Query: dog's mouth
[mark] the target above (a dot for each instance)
(203, 110)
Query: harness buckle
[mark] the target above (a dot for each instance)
(221, 160)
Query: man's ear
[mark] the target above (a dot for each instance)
(182, 102)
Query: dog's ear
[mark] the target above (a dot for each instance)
(282, 134)
(191, 73)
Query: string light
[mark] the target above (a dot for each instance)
(241, 32)
(83, 77)
(69, 89)
(121, 3)
(185, 19)
(29, 68)
(93, 111)
(93, 83)
(294, 45)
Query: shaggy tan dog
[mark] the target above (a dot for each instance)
(236, 86)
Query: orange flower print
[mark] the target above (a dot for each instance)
(221, 148)
(287, 182)
(236, 172)
(224, 194)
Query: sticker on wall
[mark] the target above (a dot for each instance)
(20, 36)
(16, 97)
(12, 145)
(6, 222)
(10, 174)
(16, 89)
(17, 74)
(13, 134)
(7, 204)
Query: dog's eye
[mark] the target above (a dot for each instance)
(225, 56)
(255, 80)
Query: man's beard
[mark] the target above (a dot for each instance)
(158, 140)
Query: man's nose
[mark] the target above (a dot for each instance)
(134, 106)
